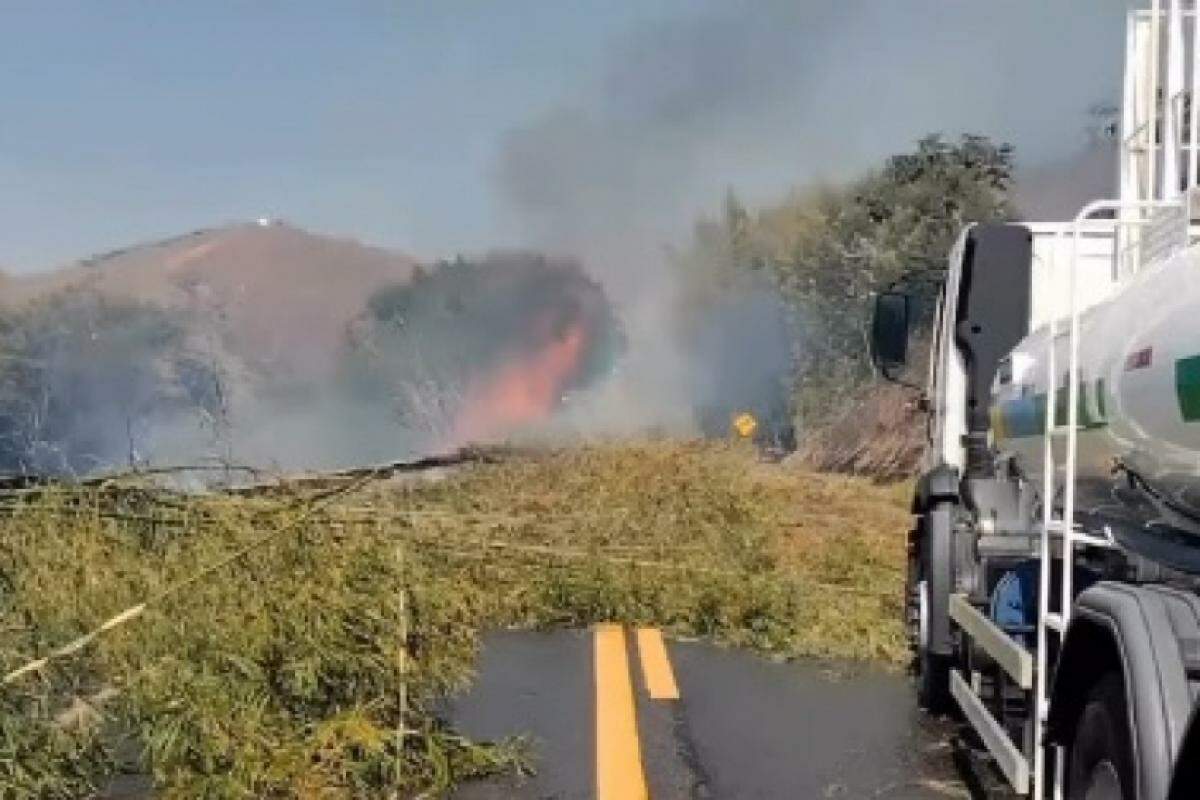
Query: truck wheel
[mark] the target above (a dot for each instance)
(931, 579)
(933, 670)
(1101, 759)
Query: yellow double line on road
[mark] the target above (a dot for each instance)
(620, 774)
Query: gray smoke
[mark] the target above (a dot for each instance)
(768, 96)
(746, 342)
(1057, 190)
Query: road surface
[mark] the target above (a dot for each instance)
(618, 714)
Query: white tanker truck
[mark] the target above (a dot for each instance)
(1054, 576)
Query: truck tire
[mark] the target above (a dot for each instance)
(929, 582)
(1101, 758)
(933, 669)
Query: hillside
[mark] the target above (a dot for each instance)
(265, 344)
(283, 295)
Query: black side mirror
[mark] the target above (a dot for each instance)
(889, 331)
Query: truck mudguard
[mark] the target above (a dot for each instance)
(1144, 632)
(937, 540)
(934, 503)
(938, 485)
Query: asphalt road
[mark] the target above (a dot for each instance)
(740, 726)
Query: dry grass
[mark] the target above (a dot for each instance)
(879, 433)
(280, 675)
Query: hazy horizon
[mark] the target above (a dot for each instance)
(433, 130)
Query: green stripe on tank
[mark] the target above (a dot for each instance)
(1187, 387)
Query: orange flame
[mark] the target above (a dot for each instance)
(520, 391)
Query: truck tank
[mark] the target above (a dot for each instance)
(1138, 452)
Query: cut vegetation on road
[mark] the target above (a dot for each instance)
(287, 672)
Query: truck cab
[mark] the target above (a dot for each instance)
(1054, 559)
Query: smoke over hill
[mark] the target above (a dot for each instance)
(269, 346)
(771, 97)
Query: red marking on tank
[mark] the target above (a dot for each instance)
(1139, 359)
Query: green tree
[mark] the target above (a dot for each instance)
(830, 248)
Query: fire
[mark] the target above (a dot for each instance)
(521, 391)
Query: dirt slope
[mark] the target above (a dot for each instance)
(281, 295)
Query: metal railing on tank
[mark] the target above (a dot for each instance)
(1062, 436)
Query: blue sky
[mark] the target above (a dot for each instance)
(124, 120)
(396, 122)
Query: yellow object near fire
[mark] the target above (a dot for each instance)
(745, 424)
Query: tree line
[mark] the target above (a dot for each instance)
(826, 250)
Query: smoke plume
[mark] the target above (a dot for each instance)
(767, 96)
(763, 97)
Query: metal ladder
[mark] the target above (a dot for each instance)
(1159, 174)
(1127, 217)
(1047, 623)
